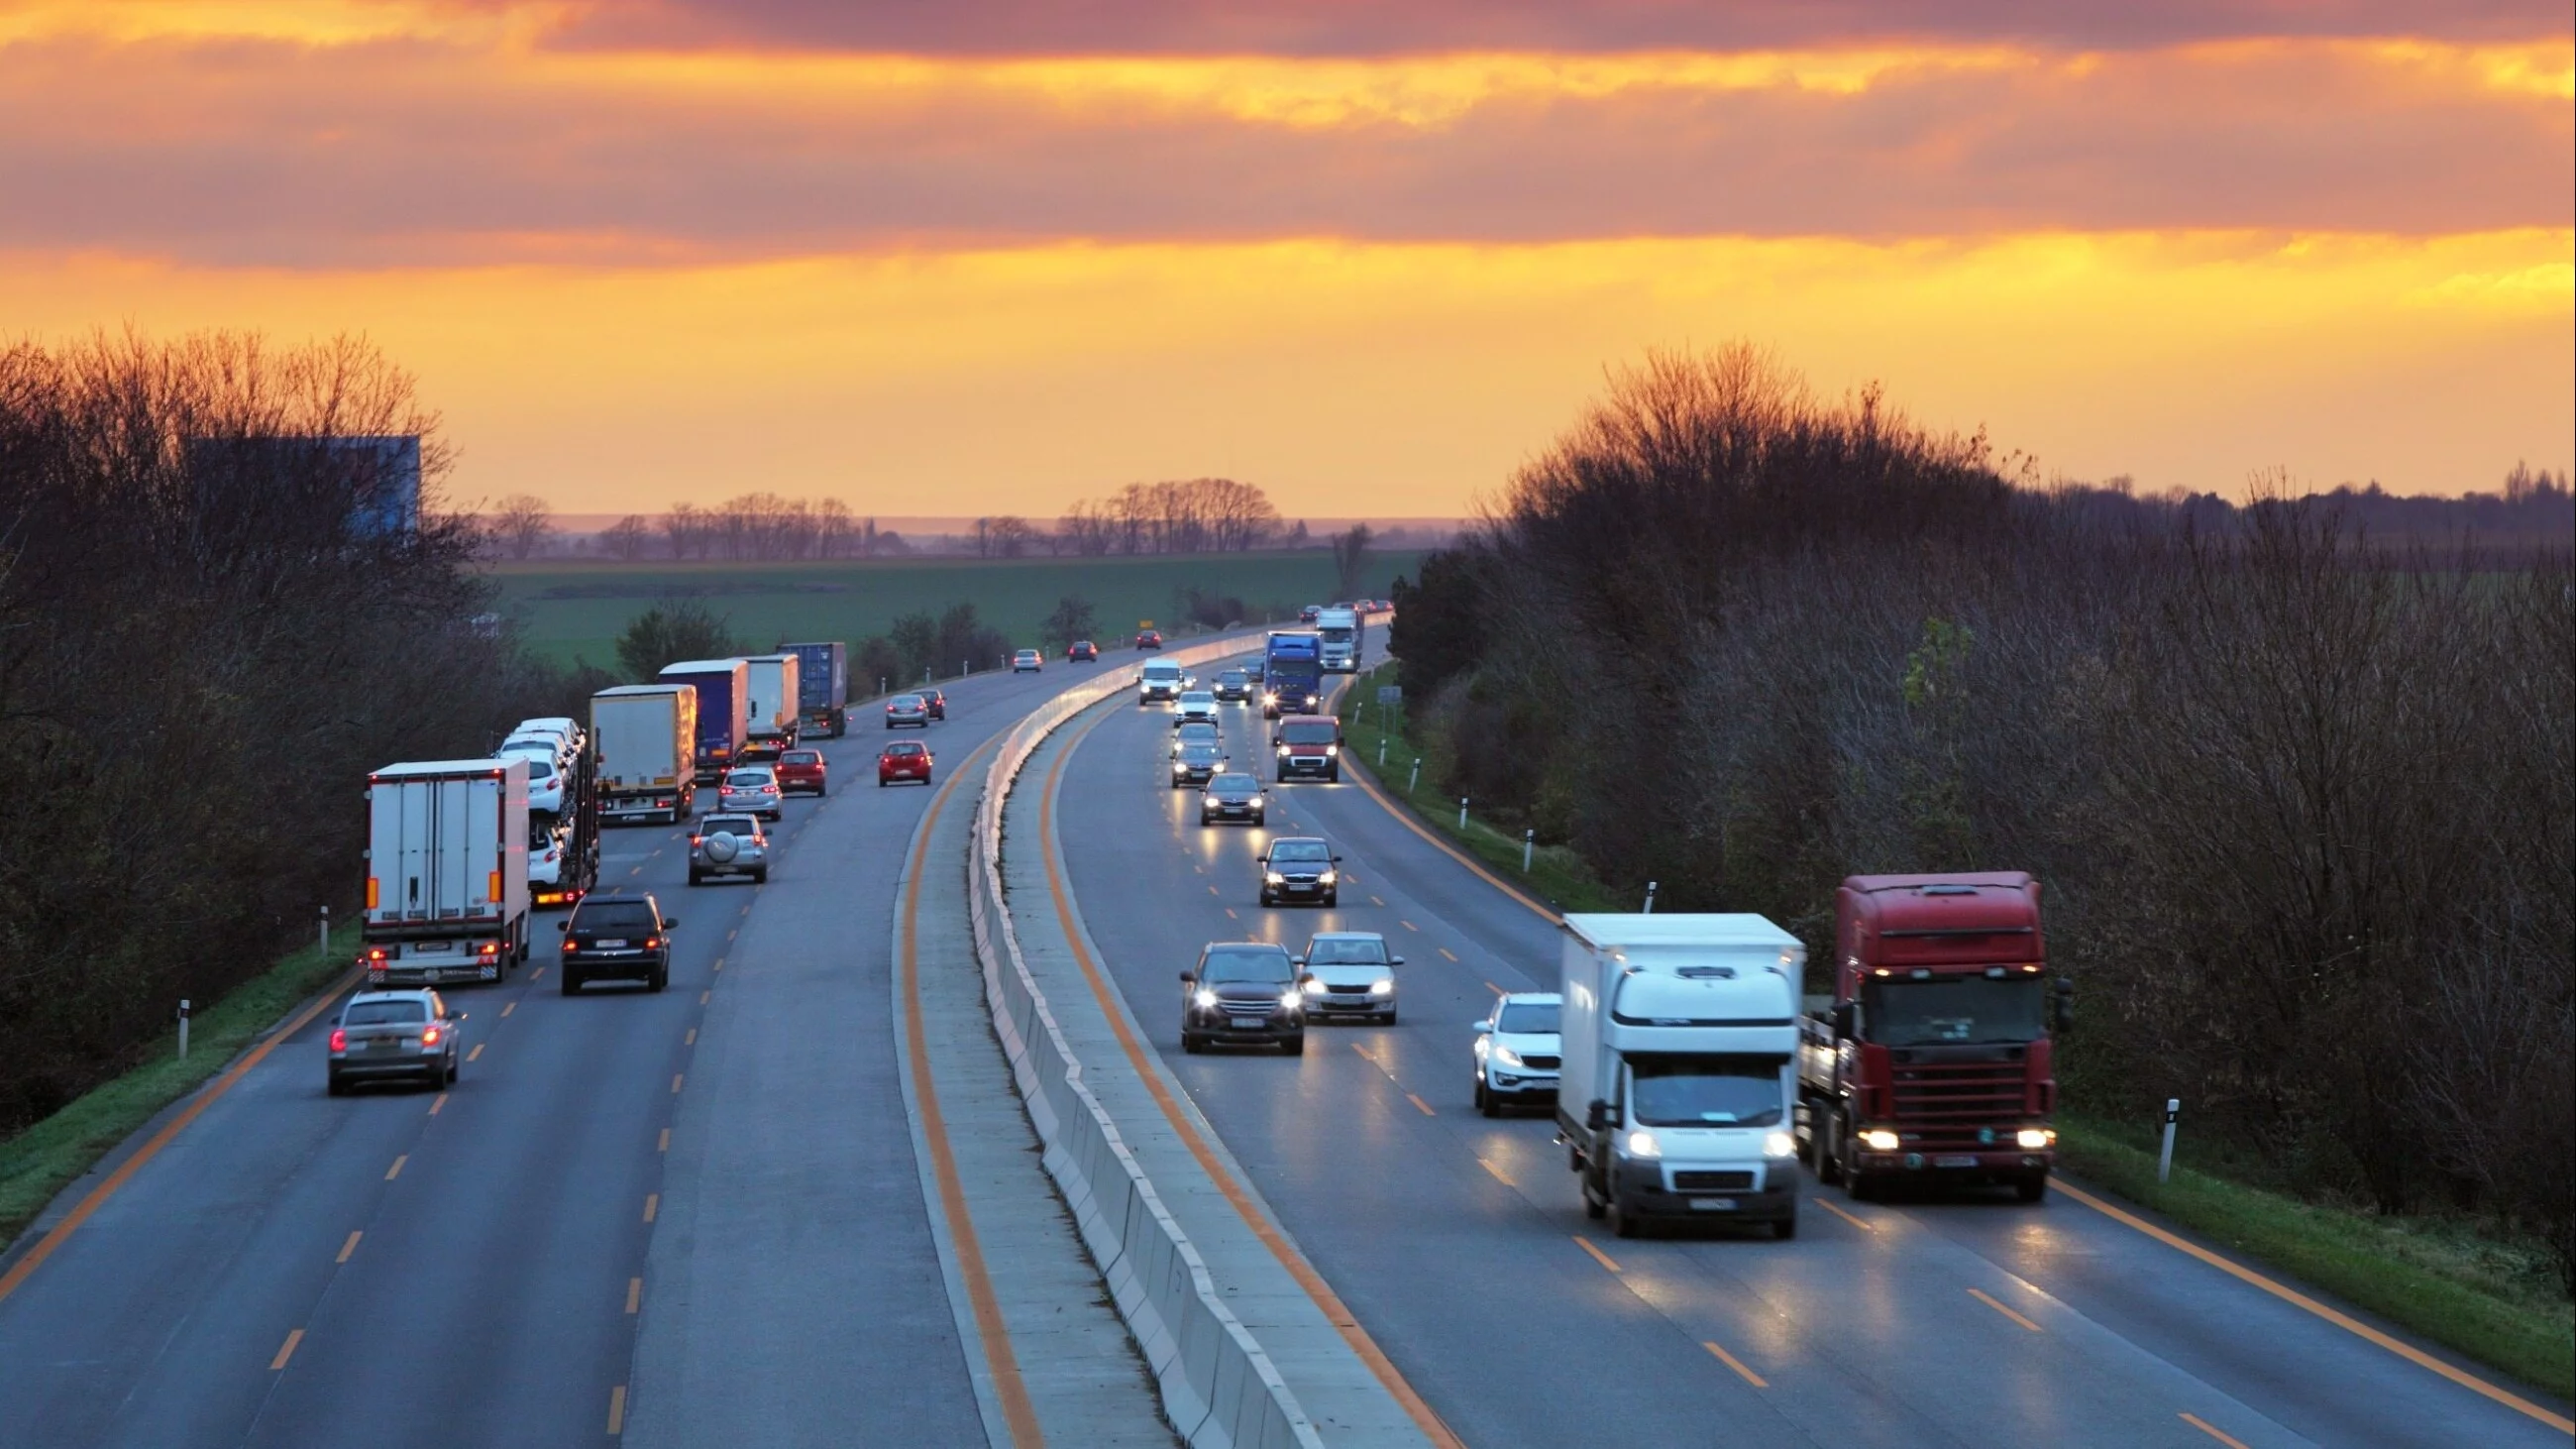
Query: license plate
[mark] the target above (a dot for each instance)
(426, 947)
(615, 945)
(1955, 1160)
(1249, 1023)
(384, 1044)
(1712, 1204)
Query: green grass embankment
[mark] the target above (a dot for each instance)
(2489, 1298)
(41, 1161)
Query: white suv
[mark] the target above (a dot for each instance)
(1518, 1052)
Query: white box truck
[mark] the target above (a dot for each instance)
(1680, 1076)
(1340, 629)
(770, 693)
(646, 737)
(447, 872)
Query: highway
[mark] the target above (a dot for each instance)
(471, 1267)
(1461, 1247)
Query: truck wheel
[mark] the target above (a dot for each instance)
(1621, 1222)
(2032, 1188)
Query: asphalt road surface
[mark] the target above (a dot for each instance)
(1460, 1242)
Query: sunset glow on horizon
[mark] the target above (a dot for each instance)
(1369, 258)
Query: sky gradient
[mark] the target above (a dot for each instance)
(947, 258)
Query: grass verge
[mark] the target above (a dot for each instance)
(2440, 1277)
(2491, 1300)
(41, 1161)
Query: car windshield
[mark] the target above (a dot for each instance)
(801, 757)
(1368, 952)
(1308, 732)
(906, 701)
(1197, 730)
(1234, 676)
(907, 750)
(1199, 752)
(385, 1013)
(1705, 1090)
(1528, 1017)
(1254, 963)
(1233, 785)
(1198, 696)
(1954, 1011)
(730, 825)
(613, 916)
(747, 777)
(1302, 851)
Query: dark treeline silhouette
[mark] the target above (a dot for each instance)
(2304, 798)
(220, 606)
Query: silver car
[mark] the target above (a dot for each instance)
(1195, 704)
(1518, 1052)
(1349, 973)
(755, 790)
(384, 1035)
(728, 845)
(908, 709)
(1195, 732)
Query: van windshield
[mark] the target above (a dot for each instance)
(1699, 1090)
(1310, 732)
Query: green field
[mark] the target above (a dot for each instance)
(565, 609)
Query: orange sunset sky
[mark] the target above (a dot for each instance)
(953, 258)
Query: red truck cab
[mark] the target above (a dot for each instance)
(1933, 1061)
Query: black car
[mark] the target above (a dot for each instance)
(1197, 762)
(1300, 868)
(1082, 651)
(1233, 686)
(1245, 993)
(1254, 670)
(938, 702)
(617, 938)
(1234, 796)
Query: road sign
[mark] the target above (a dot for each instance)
(1390, 694)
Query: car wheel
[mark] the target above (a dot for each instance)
(1787, 1227)
(1333, 901)
(453, 1070)
(1294, 1046)
(696, 879)
(1192, 1044)
(1265, 898)
(822, 790)
(1389, 1016)
(925, 779)
(760, 876)
(335, 1087)
(881, 782)
(1621, 1222)
(1485, 1101)
(571, 984)
(661, 979)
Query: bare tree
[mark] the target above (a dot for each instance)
(1350, 558)
(627, 538)
(521, 524)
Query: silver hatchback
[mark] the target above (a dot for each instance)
(388, 1035)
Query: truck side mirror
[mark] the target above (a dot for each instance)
(1842, 1021)
(2061, 1007)
(1597, 1116)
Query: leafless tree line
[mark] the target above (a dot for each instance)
(1197, 515)
(2305, 804)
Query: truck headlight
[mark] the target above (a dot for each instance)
(1203, 997)
(1332, 751)
(1879, 1139)
(1779, 1144)
(1642, 1143)
(2034, 1139)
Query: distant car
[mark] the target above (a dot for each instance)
(1234, 796)
(1300, 868)
(729, 845)
(617, 938)
(1027, 661)
(1310, 613)
(1149, 639)
(1242, 993)
(1196, 731)
(1254, 670)
(1234, 686)
(936, 701)
(546, 778)
(904, 760)
(1197, 763)
(1081, 651)
(560, 736)
(1195, 704)
(805, 770)
(908, 709)
(1349, 973)
(1309, 747)
(1518, 1052)
(574, 737)
(394, 1034)
(546, 851)
(1159, 681)
(755, 789)
(760, 752)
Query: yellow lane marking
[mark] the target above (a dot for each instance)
(1598, 1256)
(477, 1052)
(437, 1102)
(1019, 1413)
(2345, 1321)
(652, 1205)
(676, 1079)
(98, 1196)
(1988, 1299)
(1750, 1377)
(348, 1247)
(1863, 1225)
(2204, 1426)
(634, 1294)
(665, 1144)
(1443, 950)
(396, 1170)
(1425, 1106)
(513, 1006)
(639, 870)
(1497, 1173)
(617, 1410)
(1334, 1310)
(286, 1351)
(691, 1039)
(719, 964)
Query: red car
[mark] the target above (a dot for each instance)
(1082, 652)
(904, 760)
(802, 770)
(1150, 639)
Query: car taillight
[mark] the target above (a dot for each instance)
(571, 945)
(697, 840)
(339, 1040)
(652, 943)
(429, 1036)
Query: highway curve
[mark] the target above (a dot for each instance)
(1461, 1246)
(401, 1268)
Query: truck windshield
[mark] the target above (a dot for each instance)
(1954, 1011)
(1705, 1091)
(1337, 636)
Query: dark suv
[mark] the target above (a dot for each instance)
(1243, 993)
(1300, 868)
(617, 938)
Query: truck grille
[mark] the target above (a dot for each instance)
(1704, 1181)
(1959, 1103)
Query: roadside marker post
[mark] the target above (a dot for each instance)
(1381, 752)
(1650, 898)
(1529, 844)
(326, 933)
(183, 1028)
(1462, 812)
(1413, 781)
(2164, 1158)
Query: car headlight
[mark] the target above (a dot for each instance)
(1780, 1144)
(1274, 878)
(1314, 988)
(1642, 1143)
(1327, 878)
(1290, 999)
(1383, 986)
(1203, 997)
(1505, 1056)
(2033, 1139)
(1879, 1139)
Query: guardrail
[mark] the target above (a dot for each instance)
(1220, 1390)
